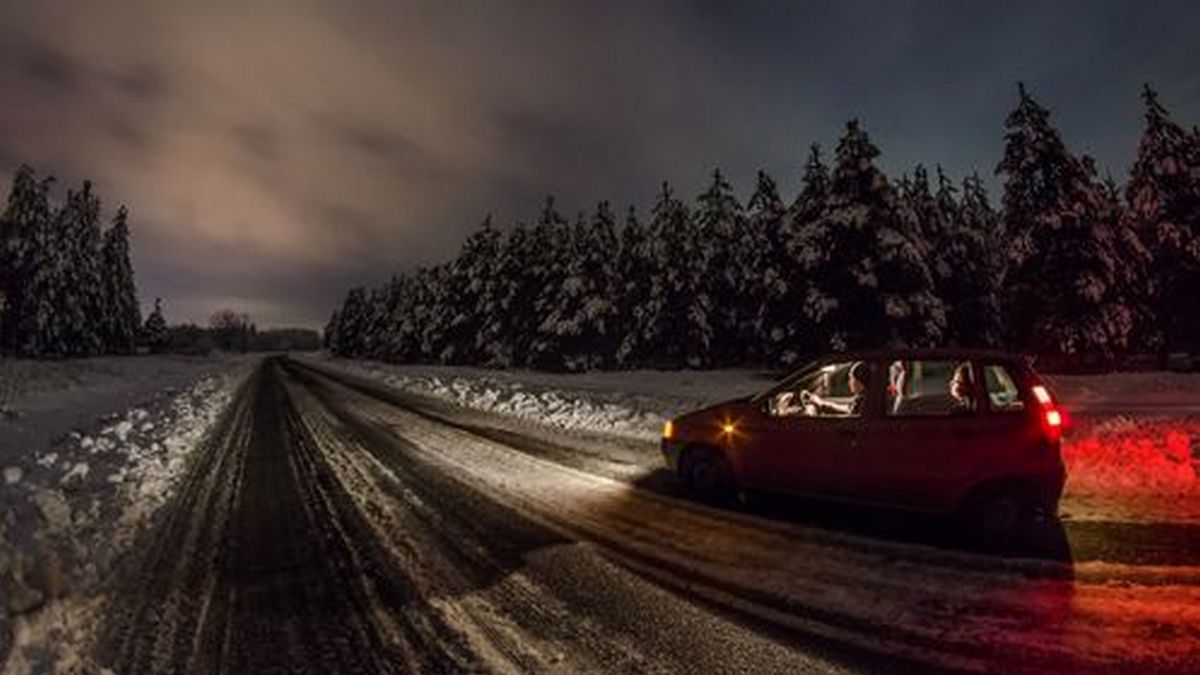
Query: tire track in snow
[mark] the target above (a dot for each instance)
(961, 614)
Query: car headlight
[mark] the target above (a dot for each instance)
(668, 431)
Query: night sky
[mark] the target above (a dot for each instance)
(273, 153)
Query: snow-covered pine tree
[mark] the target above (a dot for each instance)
(635, 280)
(971, 266)
(790, 321)
(551, 248)
(1163, 194)
(122, 317)
(719, 226)
(966, 268)
(353, 323)
(154, 332)
(395, 343)
(79, 306)
(1060, 296)
(1131, 301)
(25, 246)
(433, 310)
(518, 295)
(768, 273)
(375, 341)
(870, 284)
(471, 285)
(584, 318)
(681, 332)
(331, 336)
(919, 212)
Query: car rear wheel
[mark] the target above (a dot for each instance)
(998, 516)
(709, 476)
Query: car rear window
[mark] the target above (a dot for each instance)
(1003, 394)
(922, 388)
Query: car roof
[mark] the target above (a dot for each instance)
(926, 354)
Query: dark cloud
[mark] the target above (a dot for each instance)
(274, 153)
(143, 83)
(48, 66)
(259, 141)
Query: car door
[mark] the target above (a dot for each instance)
(807, 451)
(922, 449)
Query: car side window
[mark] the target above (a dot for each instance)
(931, 388)
(1002, 392)
(834, 390)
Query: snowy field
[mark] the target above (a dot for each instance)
(89, 449)
(1133, 450)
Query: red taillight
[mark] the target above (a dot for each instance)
(1053, 418)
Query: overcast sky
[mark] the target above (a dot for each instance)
(274, 153)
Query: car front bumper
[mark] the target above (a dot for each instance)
(672, 452)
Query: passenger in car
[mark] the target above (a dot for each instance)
(962, 389)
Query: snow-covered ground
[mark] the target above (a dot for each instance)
(88, 451)
(1133, 451)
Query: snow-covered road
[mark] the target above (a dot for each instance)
(336, 524)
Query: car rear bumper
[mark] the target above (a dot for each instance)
(1052, 483)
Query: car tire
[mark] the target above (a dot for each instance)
(998, 516)
(709, 476)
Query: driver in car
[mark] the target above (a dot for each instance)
(860, 376)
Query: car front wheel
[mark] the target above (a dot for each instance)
(709, 476)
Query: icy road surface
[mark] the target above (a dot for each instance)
(331, 524)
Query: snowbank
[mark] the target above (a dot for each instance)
(72, 508)
(631, 404)
(1133, 452)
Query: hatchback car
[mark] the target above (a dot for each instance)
(971, 433)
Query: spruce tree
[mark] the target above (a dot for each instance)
(1062, 296)
(79, 306)
(919, 213)
(636, 271)
(967, 270)
(768, 275)
(331, 336)
(154, 333)
(551, 250)
(870, 283)
(1163, 194)
(121, 316)
(26, 247)
(472, 287)
(719, 227)
(584, 319)
(792, 321)
(519, 294)
(679, 304)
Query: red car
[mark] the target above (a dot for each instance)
(965, 432)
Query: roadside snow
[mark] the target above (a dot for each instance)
(631, 404)
(72, 508)
(1133, 450)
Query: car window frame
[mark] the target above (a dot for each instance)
(970, 415)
